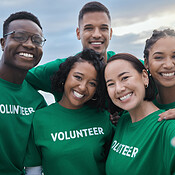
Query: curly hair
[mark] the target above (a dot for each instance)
(157, 34)
(87, 55)
(139, 67)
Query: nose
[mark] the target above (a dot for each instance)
(83, 86)
(119, 87)
(96, 33)
(29, 44)
(169, 63)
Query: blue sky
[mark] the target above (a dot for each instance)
(132, 21)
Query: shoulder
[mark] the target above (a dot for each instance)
(110, 54)
(46, 110)
(169, 125)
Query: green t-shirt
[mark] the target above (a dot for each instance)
(164, 106)
(39, 77)
(17, 106)
(143, 147)
(70, 141)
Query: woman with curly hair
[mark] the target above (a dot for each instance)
(73, 135)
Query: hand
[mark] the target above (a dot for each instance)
(114, 118)
(170, 114)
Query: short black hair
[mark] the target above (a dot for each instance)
(93, 6)
(157, 34)
(87, 55)
(20, 15)
(139, 67)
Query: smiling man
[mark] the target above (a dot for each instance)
(22, 50)
(94, 30)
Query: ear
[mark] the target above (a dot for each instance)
(146, 63)
(111, 33)
(78, 33)
(145, 77)
(2, 43)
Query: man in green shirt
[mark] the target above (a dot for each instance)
(22, 50)
(94, 30)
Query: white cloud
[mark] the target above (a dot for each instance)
(167, 20)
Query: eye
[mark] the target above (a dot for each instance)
(158, 57)
(19, 36)
(104, 28)
(173, 56)
(37, 39)
(93, 84)
(125, 78)
(77, 77)
(88, 28)
(109, 84)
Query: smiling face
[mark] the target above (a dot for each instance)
(125, 86)
(21, 56)
(161, 62)
(80, 85)
(95, 31)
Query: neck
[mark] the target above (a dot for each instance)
(166, 95)
(142, 111)
(105, 57)
(12, 75)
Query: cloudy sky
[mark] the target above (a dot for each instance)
(132, 21)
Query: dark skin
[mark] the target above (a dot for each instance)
(18, 58)
(114, 118)
(162, 60)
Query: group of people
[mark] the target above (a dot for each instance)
(74, 135)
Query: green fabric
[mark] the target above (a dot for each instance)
(39, 77)
(71, 141)
(143, 147)
(164, 106)
(17, 106)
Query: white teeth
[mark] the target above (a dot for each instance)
(168, 74)
(96, 43)
(125, 97)
(26, 55)
(77, 94)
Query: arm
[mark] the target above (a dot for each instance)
(39, 77)
(170, 114)
(168, 146)
(33, 170)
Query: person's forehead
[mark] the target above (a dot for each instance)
(95, 16)
(24, 25)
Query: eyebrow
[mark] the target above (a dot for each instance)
(83, 75)
(78, 73)
(106, 25)
(157, 53)
(118, 76)
(88, 25)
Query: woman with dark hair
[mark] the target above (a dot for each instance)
(159, 54)
(73, 135)
(141, 144)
